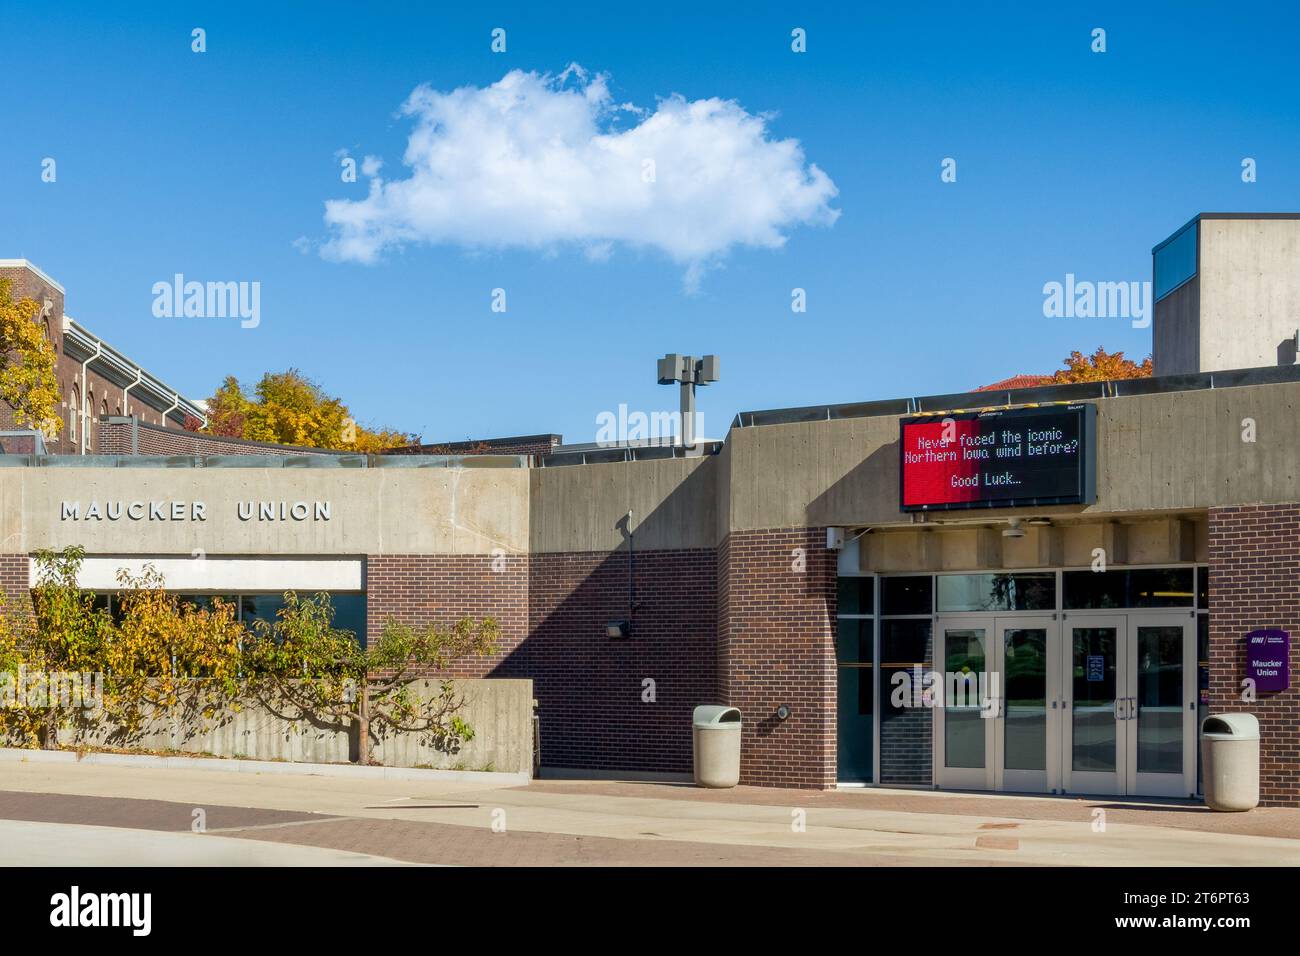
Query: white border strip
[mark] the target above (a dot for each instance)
(229, 765)
(217, 574)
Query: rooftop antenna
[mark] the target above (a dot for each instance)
(688, 371)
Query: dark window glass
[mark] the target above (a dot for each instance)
(1144, 587)
(904, 648)
(911, 595)
(856, 595)
(350, 615)
(1175, 262)
(259, 607)
(1161, 587)
(1202, 686)
(204, 602)
(853, 641)
(996, 592)
(1203, 588)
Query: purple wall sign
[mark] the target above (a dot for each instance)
(1268, 656)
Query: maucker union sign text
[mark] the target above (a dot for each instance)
(192, 511)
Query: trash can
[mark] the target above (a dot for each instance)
(716, 730)
(1230, 761)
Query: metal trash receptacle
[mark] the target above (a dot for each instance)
(1230, 761)
(716, 733)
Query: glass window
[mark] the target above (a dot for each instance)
(853, 640)
(1202, 686)
(997, 592)
(350, 615)
(905, 725)
(1175, 261)
(1142, 587)
(856, 595)
(259, 607)
(907, 595)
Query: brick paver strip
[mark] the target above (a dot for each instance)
(479, 846)
(1282, 822)
(135, 814)
(418, 842)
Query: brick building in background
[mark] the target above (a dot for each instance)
(95, 380)
(784, 570)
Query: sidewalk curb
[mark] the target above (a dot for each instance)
(229, 765)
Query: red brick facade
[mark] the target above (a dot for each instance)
(596, 709)
(1254, 583)
(776, 645)
(119, 436)
(620, 704)
(15, 585)
(104, 398)
(441, 589)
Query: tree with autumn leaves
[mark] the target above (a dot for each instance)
(287, 408)
(1101, 366)
(27, 377)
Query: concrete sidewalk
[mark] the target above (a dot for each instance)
(590, 822)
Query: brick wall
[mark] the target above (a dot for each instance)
(441, 589)
(1254, 583)
(776, 645)
(595, 706)
(114, 438)
(14, 584)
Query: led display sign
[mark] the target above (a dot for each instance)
(999, 459)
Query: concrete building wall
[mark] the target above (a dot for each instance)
(372, 511)
(1176, 331)
(1173, 452)
(499, 711)
(580, 508)
(1249, 281)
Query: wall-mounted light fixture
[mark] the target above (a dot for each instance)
(618, 629)
(783, 712)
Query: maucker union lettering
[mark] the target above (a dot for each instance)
(168, 510)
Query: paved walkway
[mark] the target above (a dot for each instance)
(596, 822)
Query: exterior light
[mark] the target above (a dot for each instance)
(1013, 529)
(618, 629)
(783, 712)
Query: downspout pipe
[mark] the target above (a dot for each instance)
(175, 405)
(85, 386)
(139, 377)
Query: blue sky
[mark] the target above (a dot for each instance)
(217, 165)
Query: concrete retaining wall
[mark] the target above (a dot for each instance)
(500, 711)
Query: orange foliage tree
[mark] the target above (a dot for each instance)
(1101, 366)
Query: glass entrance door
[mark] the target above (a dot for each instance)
(964, 741)
(1161, 713)
(1130, 706)
(1027, 723)
(998, 726)
(1094, 745)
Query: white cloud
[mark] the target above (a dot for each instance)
(536, 160)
